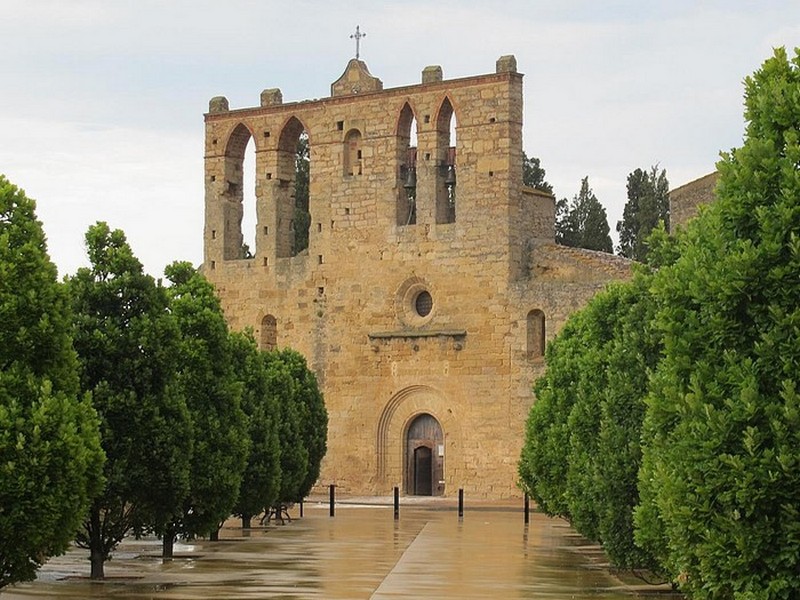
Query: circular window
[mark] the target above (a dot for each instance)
(423, 303)
(414, 302)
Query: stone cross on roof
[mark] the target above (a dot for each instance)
(357, 37)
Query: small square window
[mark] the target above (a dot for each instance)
(340, 125)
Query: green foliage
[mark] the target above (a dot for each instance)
(127, 341)
(583, 223)
(581, 454)
(314, 415)
(303, 426)
(261, 403)
(207, 380)
(543, 462)
(302, 216)
(647, 206)
(533, 175)
(50, 455)
(720, 479)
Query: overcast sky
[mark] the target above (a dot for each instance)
(103, 100)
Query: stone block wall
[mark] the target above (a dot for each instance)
(399, 319)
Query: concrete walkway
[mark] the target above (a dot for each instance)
(360, 553)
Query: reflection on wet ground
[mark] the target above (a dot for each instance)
(361, 553)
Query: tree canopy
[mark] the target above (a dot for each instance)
(582, 223)
(303, 425)
(689, 375)
(207, 381)
(533, 175)
(720, 480)
(261, 403)
(50, 455)
(127, 340)
(647, 206)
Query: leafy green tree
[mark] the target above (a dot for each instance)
(50, 455)
(127, 341)
(720, 478)
(583, 222)
(302, 216)
(303, 424)
(207, 381)
(294, 455)
(260, 402)
(581, 454)
(533, 175)
(543, 462)
(314, 416)
(647, 206)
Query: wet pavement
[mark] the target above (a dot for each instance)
(361, 553)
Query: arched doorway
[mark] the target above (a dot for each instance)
(424, 474)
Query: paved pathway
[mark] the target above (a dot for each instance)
(359, 554)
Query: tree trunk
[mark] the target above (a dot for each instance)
(96, 549)
(214, 537)
(168, 543)
(246, 521)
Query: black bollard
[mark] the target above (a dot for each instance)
(301, 509)
(396, 503)
(460, 503)
(527, 509)
(333, 498)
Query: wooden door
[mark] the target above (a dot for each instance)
(424, 474)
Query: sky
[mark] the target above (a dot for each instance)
(102, 101)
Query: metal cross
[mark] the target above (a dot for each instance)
(357, 37)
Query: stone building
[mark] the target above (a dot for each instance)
(431, 280)
(684, 201)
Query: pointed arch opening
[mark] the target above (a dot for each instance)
(239, 195)
(406, 205)
(294, 184)
(446, 128)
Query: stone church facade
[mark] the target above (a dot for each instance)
(431, 281)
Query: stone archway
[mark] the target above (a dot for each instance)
(394, 426)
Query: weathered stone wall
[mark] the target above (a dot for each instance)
(349, 302)
(685, 200)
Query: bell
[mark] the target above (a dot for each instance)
(411, 179)
(450, 178)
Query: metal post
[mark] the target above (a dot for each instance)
(301, 509)
(527, 509)
(460, 503)
(396, 503)
(333, 498)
